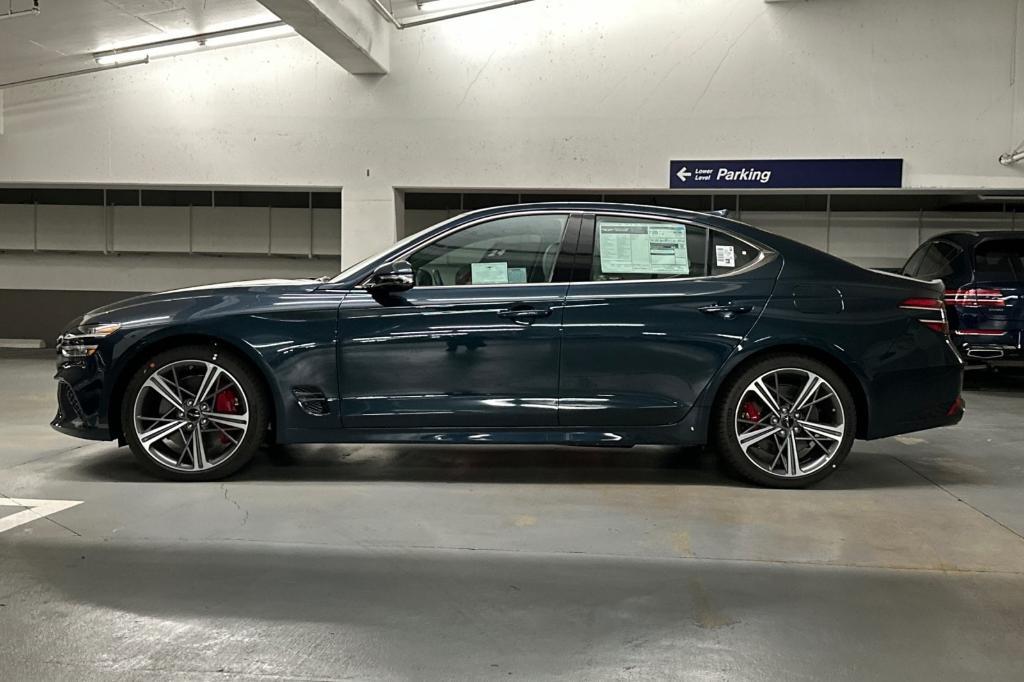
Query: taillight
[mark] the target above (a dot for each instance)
(976, 298)
(931, 312)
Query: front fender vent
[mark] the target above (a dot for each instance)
(312, 400)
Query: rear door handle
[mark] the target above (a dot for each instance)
(524, 314)
(728, 311)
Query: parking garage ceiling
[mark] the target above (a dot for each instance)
(43, 39)
(66, 33)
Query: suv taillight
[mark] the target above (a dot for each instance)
(931, 312)
(976, 298)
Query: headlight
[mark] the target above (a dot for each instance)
(98, 330)
(80, 343)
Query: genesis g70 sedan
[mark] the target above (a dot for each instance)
(561, 323)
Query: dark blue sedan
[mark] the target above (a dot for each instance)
(572, 324)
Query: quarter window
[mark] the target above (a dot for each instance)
(515, 250)
(628, 248)
(729, 254)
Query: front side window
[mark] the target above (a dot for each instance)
(628, 248)
(514, 250)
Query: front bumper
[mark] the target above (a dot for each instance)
(79, 399)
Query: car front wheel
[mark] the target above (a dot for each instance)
(786, 421)
(194, 413)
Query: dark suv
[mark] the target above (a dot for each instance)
(983, 273)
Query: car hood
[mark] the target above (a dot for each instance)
(166, 305)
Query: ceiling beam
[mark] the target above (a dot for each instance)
(350, 32)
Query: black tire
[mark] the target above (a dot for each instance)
(724, 432)
(253, 394)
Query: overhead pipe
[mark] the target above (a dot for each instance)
(1011, 158)
(66, 74)
(12, 13)
(390, 16)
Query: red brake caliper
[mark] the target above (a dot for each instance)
(751, 411)
(226, 402)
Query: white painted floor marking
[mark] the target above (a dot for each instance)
(34, 510)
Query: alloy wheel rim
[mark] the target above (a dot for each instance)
(191, 415)
(789, 422)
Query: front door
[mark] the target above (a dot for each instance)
(474, 344)
(656, 308)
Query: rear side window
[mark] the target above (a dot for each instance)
(914, 263)
(729, 254)
(640, 248)
(1000, 259)
(938, 261)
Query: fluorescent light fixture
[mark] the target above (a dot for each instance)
(149, 52)
(169, 48)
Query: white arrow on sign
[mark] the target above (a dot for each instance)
(34, 510)
(683, 174)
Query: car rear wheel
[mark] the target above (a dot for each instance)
(787, 421)
(194, 413)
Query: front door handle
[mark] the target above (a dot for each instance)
(524, 314)
(728, 311)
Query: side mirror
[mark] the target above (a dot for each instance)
(391, 277)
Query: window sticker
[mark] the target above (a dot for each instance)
(643, 248)
(725, 256)
(490, 273)
(517, 275)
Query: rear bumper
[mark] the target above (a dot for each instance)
(990, 349)
(914, 398)
(931, 417)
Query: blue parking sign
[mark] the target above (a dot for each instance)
(786, 174)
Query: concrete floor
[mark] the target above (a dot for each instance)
(495, 563)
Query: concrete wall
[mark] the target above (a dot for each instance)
(57, 261)
(559, 94)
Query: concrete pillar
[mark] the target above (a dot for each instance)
(369, 220)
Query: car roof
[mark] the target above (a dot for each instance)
(971, 237)
(708, 218)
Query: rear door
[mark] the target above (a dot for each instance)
(655, 308)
